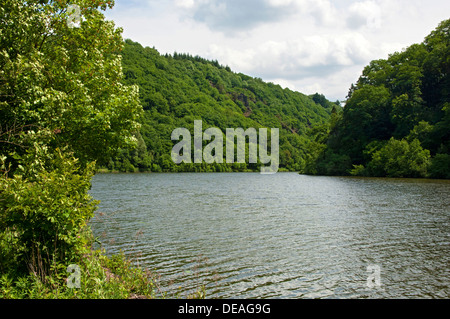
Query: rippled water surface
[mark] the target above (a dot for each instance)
(247, 235)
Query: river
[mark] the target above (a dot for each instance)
(248, 235)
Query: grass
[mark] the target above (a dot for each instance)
(101, 277)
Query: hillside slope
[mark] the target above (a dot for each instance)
(177, 89)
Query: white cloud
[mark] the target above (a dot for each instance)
(303, 44)
(280, 3)
(323, 11)
(232, 16)
(364, 14)
(297, 58)
(186, 4)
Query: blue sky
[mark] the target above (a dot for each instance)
(307, 45)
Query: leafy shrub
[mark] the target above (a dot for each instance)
(400, 159)
(440, 166)
(358, 170)
(44, 209)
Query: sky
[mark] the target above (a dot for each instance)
(305, 45)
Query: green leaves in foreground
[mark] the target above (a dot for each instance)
(62, 106)
(66, 80)
(44, 209)
(102, 277)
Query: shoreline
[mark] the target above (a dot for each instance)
(106, 171)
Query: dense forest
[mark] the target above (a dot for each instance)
(396, 121)
(177, 89)
(63, 107)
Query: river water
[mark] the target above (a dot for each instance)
(248, 235)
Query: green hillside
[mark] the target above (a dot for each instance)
(396, 121)
(177, 89)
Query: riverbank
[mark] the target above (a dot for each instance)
(108, 171)
(100, 277)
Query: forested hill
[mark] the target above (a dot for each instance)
(177, 89)
(396, 121)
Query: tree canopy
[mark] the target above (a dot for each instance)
(62, 84)
(63, 106)
(176, 89)
(399, 107)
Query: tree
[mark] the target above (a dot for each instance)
(398, 105)
(440, 166)
(62, 106)
(400, 159)
(365, 118)
(63, 80)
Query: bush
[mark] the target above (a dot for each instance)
(44, 209)
(400, 159)
(102, 277)
(440, 166)
(358, 170)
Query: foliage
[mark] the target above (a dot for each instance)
(102, 277)
(62, 79)
(399, 107)
(177, 89)
(440, 166)
(63, 106)
(45, 207)
(397, 159)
